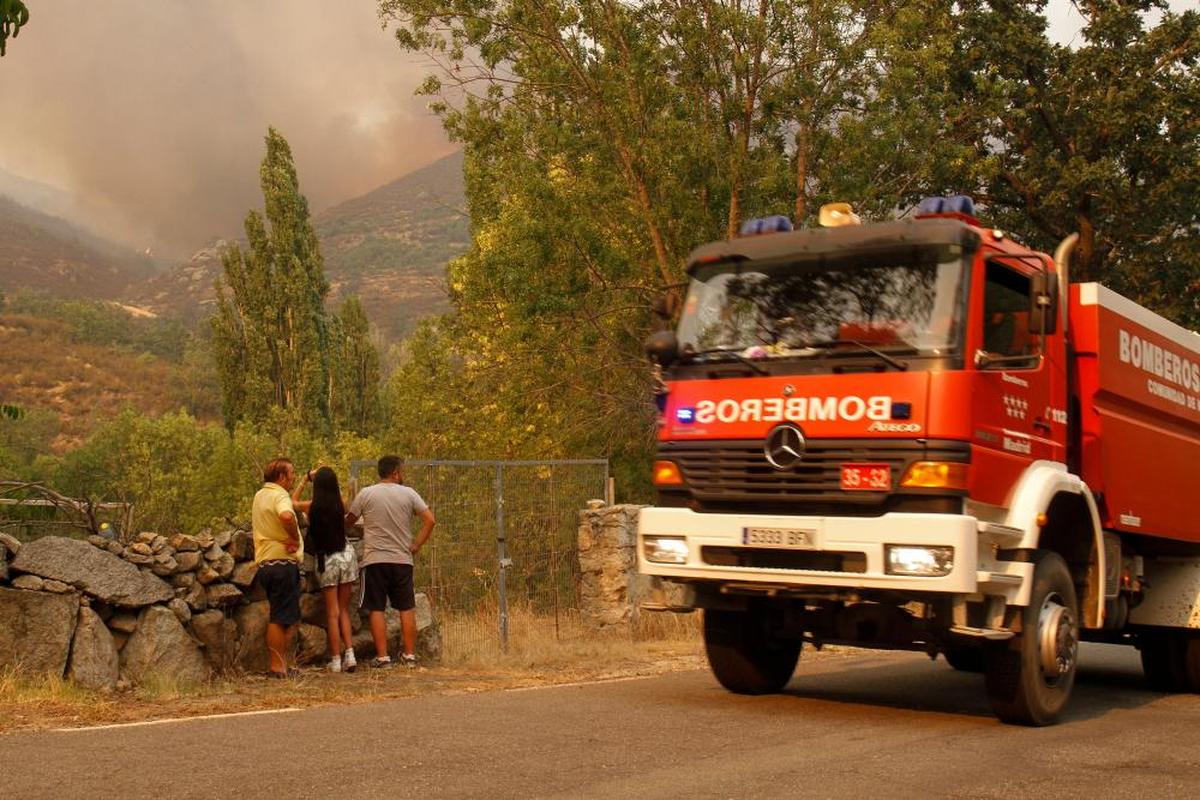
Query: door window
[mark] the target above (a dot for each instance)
(1006, 317)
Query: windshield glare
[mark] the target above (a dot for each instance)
(889, 301)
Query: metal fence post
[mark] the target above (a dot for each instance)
(502, 555)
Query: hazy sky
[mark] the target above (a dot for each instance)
(153, 112)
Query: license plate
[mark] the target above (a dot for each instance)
(777, 537)
(866, 477)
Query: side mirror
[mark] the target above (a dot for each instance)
(662, 307)
(1043, 303)
(662, 348)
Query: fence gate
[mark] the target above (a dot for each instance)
(502, 566)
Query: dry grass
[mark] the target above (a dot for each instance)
(537, 656)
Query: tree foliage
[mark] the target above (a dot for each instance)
(1101, 138)
(13, 16)
(607, 139)
(356, 371)
(270, 331)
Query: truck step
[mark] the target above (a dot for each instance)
(664, 607)
(990, 634)
(996, 529)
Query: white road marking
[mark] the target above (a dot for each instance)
(583, 683)
(177, 719)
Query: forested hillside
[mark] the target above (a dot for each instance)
(74, 378)
(38, 251)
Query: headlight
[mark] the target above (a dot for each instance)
(665, 549)
(920, 561)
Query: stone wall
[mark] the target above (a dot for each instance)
(106, 613)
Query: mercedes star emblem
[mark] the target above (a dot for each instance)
(784, 447)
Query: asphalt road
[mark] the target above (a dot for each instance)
(862, 726)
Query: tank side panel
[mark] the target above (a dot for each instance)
(1139, 384)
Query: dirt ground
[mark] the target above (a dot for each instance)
(52, 703)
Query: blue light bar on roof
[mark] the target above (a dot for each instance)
(773, 224)
(954, 204)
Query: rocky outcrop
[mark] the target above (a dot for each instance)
(160, 646)
(96, 572)
(95, 662)
(37, 627)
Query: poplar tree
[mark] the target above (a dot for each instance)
(356, 373)
(270, 332)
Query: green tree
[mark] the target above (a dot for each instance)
(270, 334)
(607, 139)
(1101, 138)
(13, 16)
(356, 372)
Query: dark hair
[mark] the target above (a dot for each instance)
(389, 464)
(326, 515)
(276, 469)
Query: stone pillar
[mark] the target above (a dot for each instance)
(610, 587)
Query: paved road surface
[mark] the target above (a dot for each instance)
(874, 725)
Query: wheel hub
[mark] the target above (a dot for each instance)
(1058, 638)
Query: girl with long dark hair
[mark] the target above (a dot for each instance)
(337, 563)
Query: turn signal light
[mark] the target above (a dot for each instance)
(936, 475)
(666, 473)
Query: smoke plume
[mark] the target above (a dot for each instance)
(151, 115)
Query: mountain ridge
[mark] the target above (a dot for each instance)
(389, 246)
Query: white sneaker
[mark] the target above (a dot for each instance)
(335, 664)
(349, 664)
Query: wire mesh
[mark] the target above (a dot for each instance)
(503, 563)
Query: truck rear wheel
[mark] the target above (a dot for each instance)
(743, 654)
(1171, 660)
(1029, 678)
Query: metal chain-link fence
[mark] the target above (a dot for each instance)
(503, 564)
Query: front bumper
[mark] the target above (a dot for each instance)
(864, 538)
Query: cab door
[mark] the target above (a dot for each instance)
(1018, 383)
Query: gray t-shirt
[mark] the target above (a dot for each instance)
(386, 511)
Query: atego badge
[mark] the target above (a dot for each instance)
(784, 447)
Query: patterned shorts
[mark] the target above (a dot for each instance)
(339, 568)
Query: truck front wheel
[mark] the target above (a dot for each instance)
(744, 655)
(1029, 678)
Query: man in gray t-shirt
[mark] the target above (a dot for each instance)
(387, 510)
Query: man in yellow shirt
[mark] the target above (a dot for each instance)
(278, 551)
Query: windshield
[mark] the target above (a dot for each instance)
(891, 301)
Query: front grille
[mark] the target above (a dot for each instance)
(768, 558)
(720, 473)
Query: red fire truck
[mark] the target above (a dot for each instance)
(918, 435)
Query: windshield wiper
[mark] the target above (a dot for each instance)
(728, 352)
(829, 344)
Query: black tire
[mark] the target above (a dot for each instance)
(1029, 678)
(1171, 660)
(964, 658)
(744, 656)
(1163, 661)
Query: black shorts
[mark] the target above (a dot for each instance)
(281, 582)
(383, 582)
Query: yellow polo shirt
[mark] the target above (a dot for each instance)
(269, 533)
